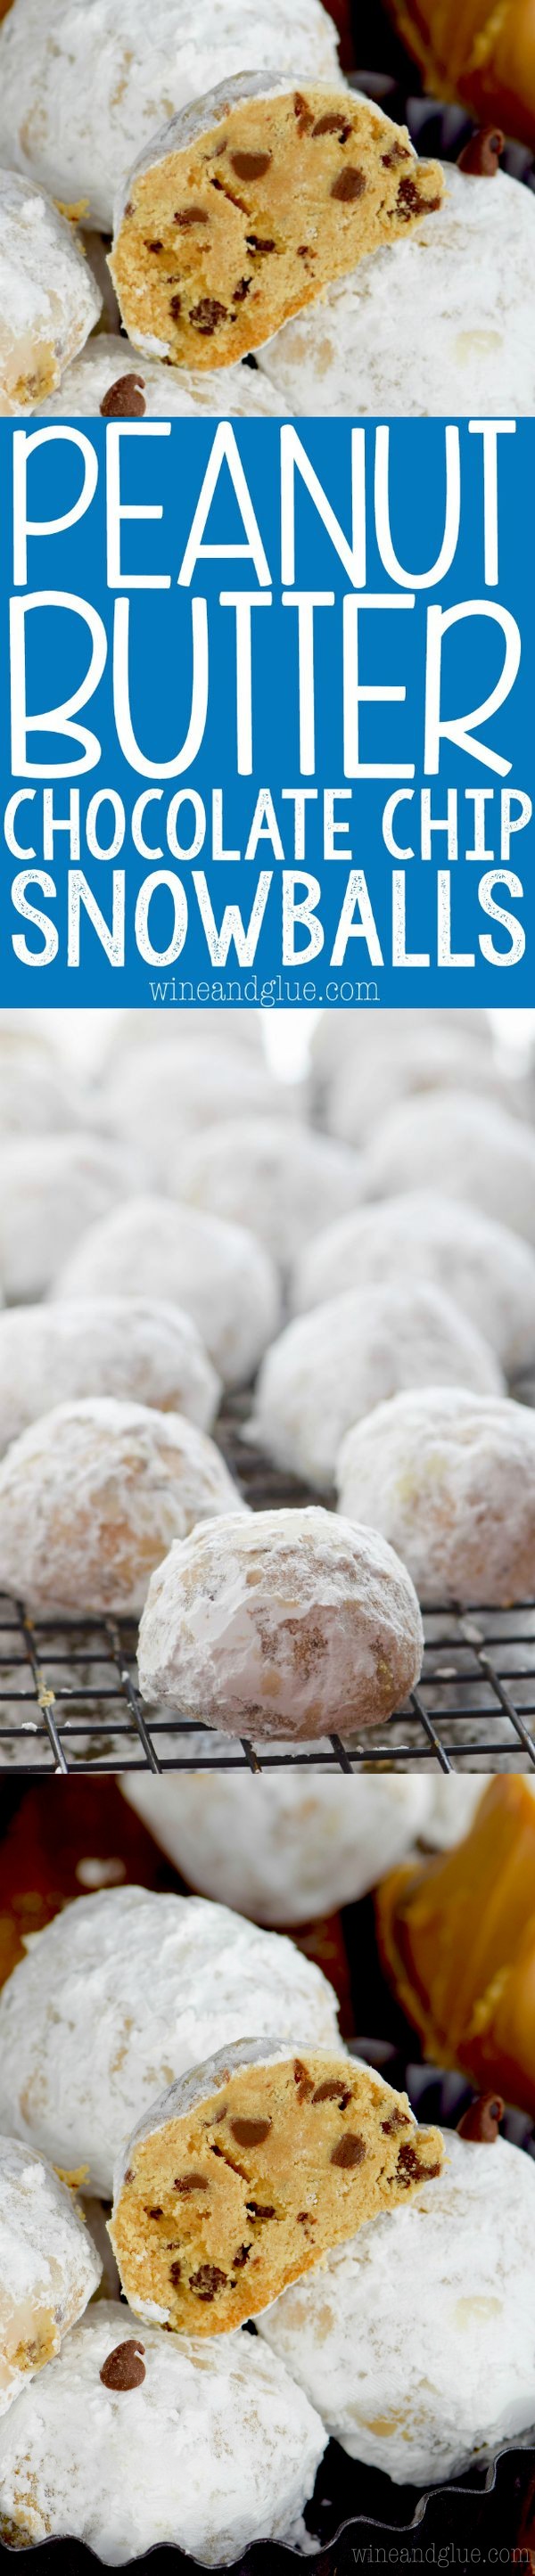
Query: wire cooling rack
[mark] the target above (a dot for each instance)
(69, 1698)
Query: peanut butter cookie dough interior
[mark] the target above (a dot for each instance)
(251, 201)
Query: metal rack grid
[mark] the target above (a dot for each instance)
(69, 1700)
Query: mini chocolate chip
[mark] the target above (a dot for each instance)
(332, 125)
(350, 184)
(207, 2281)
(155, 245)
(429, 205)
(302, 2217)
(154, 2213)
(241, 2257)
(302, 109)
(206, 315)
(250, 165)
(483, 153)
(332, 2091)
(302, 2077)
(186, 215)
(190, 2182)
(255, 2210)
(351, 2150)
(399, 152)
(175, 307)
(124, 2367)
(175, 2274)
(398, 2120)
(482, 2120)
(408, 2162)
(250, 2133)
(241, 290)
(124, 400)
(408, 200)
(129, 2175)
(255, 242)
(129, 208)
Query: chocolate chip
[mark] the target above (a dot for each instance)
(482, 2120)
(332, 125)
(332, 2091)
(399, 152)
(250, 165)
(398, 2120)
(241, 290)
(483, 153)
(241, 2257)
(255, 2210)
(186, 215)
(255, 242)
(302, 2077)
(250, 2133)
(302, 111)
(175, 2274)
(175, 307)
(303, 2216)
(190, 2182)
(124, 400)
(351, 2150)
(129, 2175)
(124, 2367)
(409, 201)
(206, 315)
(129, 208)
(408, 2164)
(350, 184)
(154, 2213)
(207, 2281)
(155, 245)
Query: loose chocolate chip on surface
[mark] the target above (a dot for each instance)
(186, 215)
(483, 153)
(124, 2367)
(124, 400)
(207, 2281)
(190, 2182)
(482, 2120)
(331, 2091)
(351, 2150)
(206, 315)
(332, 125)
(350, 184)
(250, 2133)
(250, 165)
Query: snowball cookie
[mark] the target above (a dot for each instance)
(178, 1089)
(443, 322)
(449, 1478)
(333, 1365)
(51, 1187)
(317, 176)
(451, 1810)
(48, 2266)
(135, 1348)
(272, 1174)
(228, 2157)
(280, 1848)
(286, 1623)
(415, 1060)
(37, 1097)
(125, 1991)
(83, 90)
(108, 377)
(91, 1497)
(138, 2441)
(420, 1235)
(49, 300)
(218, 1273)
(481, 1153)
(416, 2342)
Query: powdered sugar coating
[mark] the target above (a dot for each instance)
(409, 1062)
(213, 2450)
(36, 1096)
(230, 393)
(137, 1349)
(83, 90)
(49, 300)
(334, 1364)
(93, 1494)
(122, 1994)
(281, 1624)
(416, 2341)
(51, 1187)
(282, 1849)
(481, 1153)
(48, 2266)
(440, 323)
(450, 1480)
(176, 1090)
(420, 1235)
(218, 1273)
(280, 1178)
